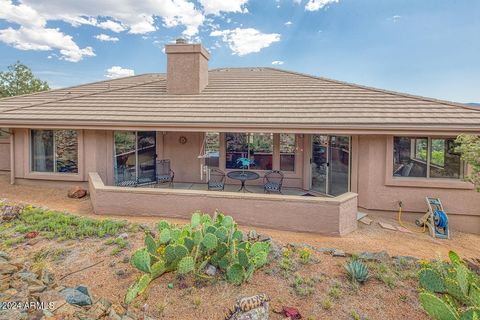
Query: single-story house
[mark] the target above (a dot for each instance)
(339, 147)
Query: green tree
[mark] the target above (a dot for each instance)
(18, 80)
(469, 147)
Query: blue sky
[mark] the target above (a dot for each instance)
(423, 47)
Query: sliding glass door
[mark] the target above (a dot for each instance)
(135, 155)
(330, 164)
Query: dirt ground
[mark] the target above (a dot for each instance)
(365, 238)
(113, 275)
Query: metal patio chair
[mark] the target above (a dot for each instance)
(272, 181)
(127, 183)
(216, 180)
(164, 173)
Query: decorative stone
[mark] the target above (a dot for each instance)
(76, 192)
(123, 235)
(4, 255)
(264, 238)
(339, 253)
(252, 235)
(46, 277)
(374, 256)
(7, 268)
(126, 259)
(36, 289)
(211, 270)
(99, 309)
(120, 272)
(10, 212)
(78, 296)
(326, 250)
(26, 276)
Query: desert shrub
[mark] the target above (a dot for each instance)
(357, 271)
(450, 290)
(188, 250)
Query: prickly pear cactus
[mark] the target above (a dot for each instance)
(243, 259)
(471, 314)
(181, 251)
(235, 274)
(185, 265)
(210, 241)
(141, 260)
(431, 280)
(170, 254)
(437, 308)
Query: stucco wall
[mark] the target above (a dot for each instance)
(4, 154)
(329, 216)
(462, 205)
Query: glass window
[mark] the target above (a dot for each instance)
(258, 147)
(236, 147)
(412, 158)
(55, 151)
(409, 157)
(287, 152)
(445, 163)
(261, 151)
(212, 149)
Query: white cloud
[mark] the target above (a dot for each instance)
(245, 41)
(106, 37)
(277, 62)
(111, 25)
(396, 18)
(43, 39)
(288, 23)
(217, 6)
(118, 72)
(314, 5)
(137, 17)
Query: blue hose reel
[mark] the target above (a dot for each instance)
(435, 219)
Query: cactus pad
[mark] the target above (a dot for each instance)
(185, 265)
(196, 219)
(237, 235)
(137, 288)
(150, 244)
(243, 259)
(163, 225)
(165, 236)
(436, 307)
(227, 222)
(181, 251)
(431, 280)
(210, 241)
(235, 274)
(222, 249)
(471, 314)
(157, 269)
(170, 255)
(188, 242)
(141, 260)
(221, 234)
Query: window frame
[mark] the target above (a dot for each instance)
(295, 137)
(57, 176)
(249, 139)
(422, 182)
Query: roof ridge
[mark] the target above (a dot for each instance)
(85, 94)
(76, 86)
(407, 95)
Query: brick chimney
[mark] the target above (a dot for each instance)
(187, 67)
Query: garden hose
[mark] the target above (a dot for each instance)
(400, 210)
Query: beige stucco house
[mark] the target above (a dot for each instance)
(341, 147)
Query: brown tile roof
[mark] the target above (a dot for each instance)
(238, 97)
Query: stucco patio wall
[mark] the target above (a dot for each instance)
(329, 216)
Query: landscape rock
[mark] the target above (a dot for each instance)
(4, 255)
(252, 235)
(339, 253)
(405, 259)
(77, 296)
(374, 256)
(7, 268)
(123, 235)
(126, 259)
(26, 275)
(120, 272)
(10, 212)
(46, 277)
(36, 289)
(211, 270)
(99, 309)
(264, 238)
(77, 192)
(326, 250)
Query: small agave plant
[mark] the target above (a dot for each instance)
(357, 271)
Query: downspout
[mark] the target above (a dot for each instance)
(12, 158)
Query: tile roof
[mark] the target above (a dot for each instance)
(238, 97)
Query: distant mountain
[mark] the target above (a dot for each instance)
(473, 104)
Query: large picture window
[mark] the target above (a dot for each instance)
(287, 152)
(54, 151)
(258, 147)
(426, 157)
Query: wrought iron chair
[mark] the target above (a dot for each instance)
(216, 180)
(164, 173)
(272, 181)
(127, 183)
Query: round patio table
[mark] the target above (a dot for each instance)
(243, 176)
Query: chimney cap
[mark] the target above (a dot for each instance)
(180, 41)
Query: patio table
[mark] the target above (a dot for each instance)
(243, 176)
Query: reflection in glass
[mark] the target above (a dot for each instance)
(410, 157)
(445, 162)
(54, 151)
(261, 151)
(287, 152)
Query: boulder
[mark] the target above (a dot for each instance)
(374, 256)
(211, 270)
(77, 192)
(10, 212)
(77, 296)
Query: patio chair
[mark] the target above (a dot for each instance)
(272, 181)
(216, 180)
(127, 183)
(164, 173)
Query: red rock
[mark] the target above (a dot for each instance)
(77, 192)
(291, 313)
(31, 235)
